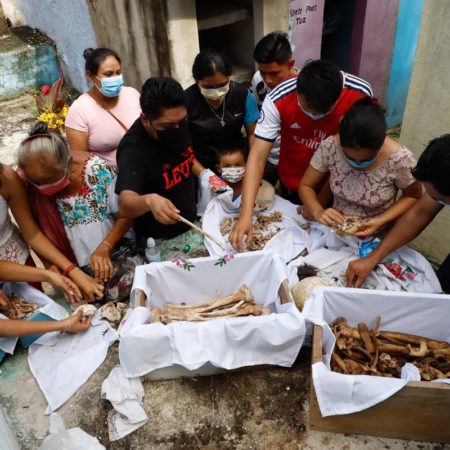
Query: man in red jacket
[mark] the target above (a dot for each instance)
(305, 110)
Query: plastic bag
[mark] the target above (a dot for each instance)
(125, 259)
(73, 439)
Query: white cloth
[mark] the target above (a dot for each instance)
(332, 254)
(126, 396)
(63, 364)
(226, 343)
(288, 243)
(420, 314)
(88, 215)
(30, 294)
(205, 193)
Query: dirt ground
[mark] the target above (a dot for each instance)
(265, 408)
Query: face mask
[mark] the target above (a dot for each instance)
(442, 203)
(176, 140)
(111, 86)
(215, 94)
(233, 174)
(53, 188)
(360, 165)
(311, 115)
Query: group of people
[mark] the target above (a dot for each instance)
(133, 164)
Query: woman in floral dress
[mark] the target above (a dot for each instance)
(15, 239)
(367, 169)
(81, 185)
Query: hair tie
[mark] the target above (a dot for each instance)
(374, 102)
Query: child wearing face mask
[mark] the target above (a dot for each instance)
(225, 185)
(230, 166)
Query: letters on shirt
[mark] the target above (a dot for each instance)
(174, 175)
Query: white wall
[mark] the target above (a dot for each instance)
(66, 22)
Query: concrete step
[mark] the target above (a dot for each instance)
(27, 59)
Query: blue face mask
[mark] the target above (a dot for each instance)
(361, 165)
(313, 116)
(442, 203)
(111, 86)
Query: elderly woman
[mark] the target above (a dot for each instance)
(367, 169)
(218, 108)
(14, 241)
(81, 186)
(99, 118)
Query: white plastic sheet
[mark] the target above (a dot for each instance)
(226, 343)
(32, 295)
(288, 243)
(421, 314)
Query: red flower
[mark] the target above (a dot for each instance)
(45, 89)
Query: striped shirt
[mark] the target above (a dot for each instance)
(300, 134)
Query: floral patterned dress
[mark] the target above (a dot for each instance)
(363, 193)
(88, 215)
(12, 246)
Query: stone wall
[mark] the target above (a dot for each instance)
(66, 22)
(137, 31)
(427, 112)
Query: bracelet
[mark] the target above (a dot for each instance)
(107, 244)
(66, 325)
(69, 269)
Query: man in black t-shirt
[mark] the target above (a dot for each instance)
(156, 163)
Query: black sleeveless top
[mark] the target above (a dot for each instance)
(206, 130)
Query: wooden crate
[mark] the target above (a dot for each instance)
(419, 411)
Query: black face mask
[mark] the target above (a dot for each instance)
(175, 140)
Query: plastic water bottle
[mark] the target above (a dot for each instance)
(151, 251)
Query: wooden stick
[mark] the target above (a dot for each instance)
(205, 233)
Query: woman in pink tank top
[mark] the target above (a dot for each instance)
(99, 118)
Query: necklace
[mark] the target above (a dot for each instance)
(222, 122)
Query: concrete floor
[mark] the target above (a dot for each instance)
(264, 408)
(256, 409)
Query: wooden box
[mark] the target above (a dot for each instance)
(419, 411)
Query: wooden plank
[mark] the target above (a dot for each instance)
(419, 411)
(316, 355)
(284, 293)
(139, 297)
(415, 412)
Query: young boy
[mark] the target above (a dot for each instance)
(273, 55)
(231, 159)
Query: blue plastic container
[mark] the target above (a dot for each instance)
(37, 316)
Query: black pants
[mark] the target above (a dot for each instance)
(289, 195)
(271, 173)
(443, 274)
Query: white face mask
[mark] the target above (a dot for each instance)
(233, 174)
(215, 94)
